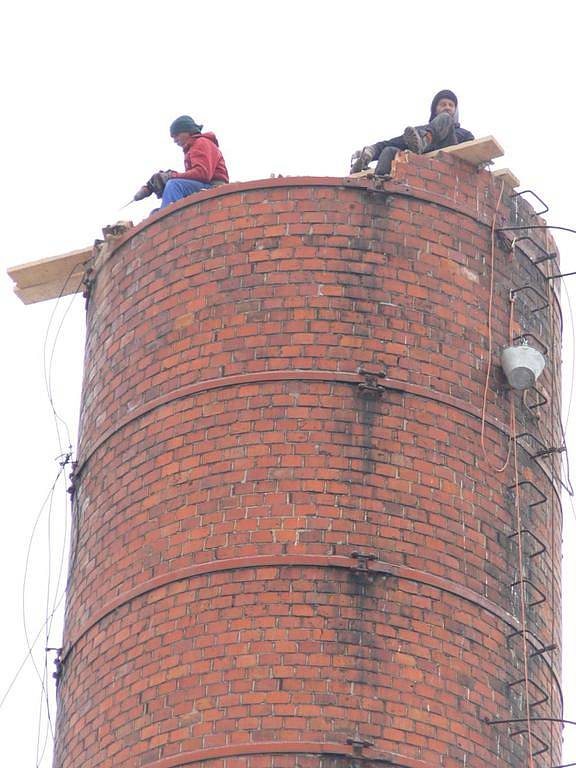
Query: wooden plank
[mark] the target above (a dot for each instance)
(50, 278)
(506, 175)
(46, 291)
(474, 152)
(52, 268)
(362, 174)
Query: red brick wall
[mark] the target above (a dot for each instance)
(233, 463)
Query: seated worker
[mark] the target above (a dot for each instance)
(203, 161)
(442, 130)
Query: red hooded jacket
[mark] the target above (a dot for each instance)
(203, 160)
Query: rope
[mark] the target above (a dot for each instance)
(489, 368)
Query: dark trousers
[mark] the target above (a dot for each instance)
(443, 135)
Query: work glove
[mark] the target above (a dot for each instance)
(157, 182)
(361, 159)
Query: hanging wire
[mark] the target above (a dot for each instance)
(47, 501)
(50, 612)
(44, 703)
(55, 590)
(27, 656)
(572, 362)
(565, 422)
(45, 729)
(61, 564)
(564, 426)
(41, 747)
(48, 363)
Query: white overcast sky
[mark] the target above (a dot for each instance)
(88, 93)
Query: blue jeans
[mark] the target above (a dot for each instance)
(176, 189)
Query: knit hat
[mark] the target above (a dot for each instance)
(185, 124)
(446, 94)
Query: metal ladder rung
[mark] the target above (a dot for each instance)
(544, 748)
(541, 546)
(528, 335)
(543, 399)
(546, 255)
(544, 450)
(542, 693)
(543, 498)
(522, 192)
(542, 597)
(540, 295)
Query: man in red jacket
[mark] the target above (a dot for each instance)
(203, 162)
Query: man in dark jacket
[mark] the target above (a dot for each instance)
(203, 161)
(442, 130)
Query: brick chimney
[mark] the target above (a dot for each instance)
(293, 544)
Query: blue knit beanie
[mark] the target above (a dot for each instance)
(185, 124)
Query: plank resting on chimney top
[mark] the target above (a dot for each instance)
(476, 152)
(506, 175)
(50, 278)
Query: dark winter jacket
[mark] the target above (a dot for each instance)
(461, 135)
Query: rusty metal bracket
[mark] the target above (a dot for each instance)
(73, 481)
(363, 559)
(371, 385)
(58, 663)
(87, 283)
(358, 744)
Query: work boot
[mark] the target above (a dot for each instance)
(414, 140)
